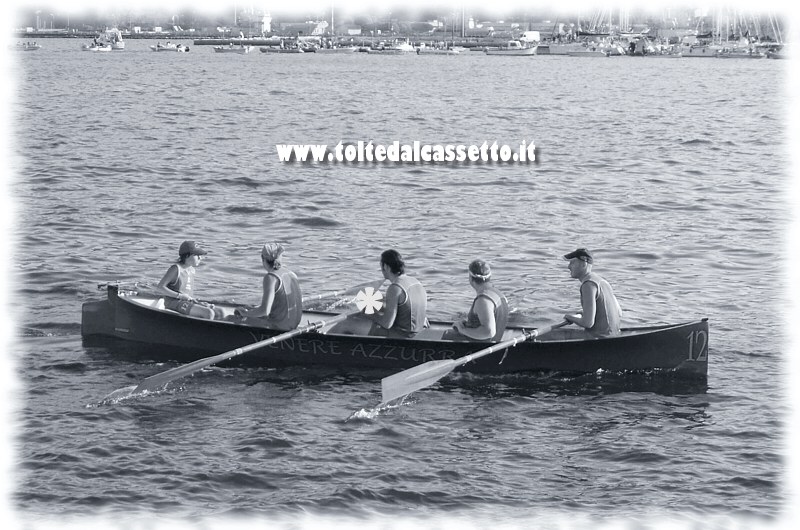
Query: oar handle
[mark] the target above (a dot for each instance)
(148, 288)
(511, 342)
(374, 284)
(426, 374)
(547, 329)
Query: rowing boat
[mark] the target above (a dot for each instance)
(139, 319)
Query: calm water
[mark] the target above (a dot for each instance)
(673, 171)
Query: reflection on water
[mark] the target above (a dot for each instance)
(560, 384)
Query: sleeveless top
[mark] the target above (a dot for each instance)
(411, 312)
(184, 283)
(287, 305)
(607, 316)
(500, 312)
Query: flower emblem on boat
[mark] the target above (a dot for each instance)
(369, 300)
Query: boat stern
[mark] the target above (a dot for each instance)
(98, 317)
(696, 362)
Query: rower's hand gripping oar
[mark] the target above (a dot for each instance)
(159, 380)
(426, 374)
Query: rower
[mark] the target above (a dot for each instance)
(178, 283)
(404, 313)
(281, 302)
(488, 316)
(600, 311)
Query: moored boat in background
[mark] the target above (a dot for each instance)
(278, 49)
(399, 48)
(337, 49)
(437, 50)
(587, 53)
(513, 47)
(232, 48)
(739, 53)
(779, 52)
(702, 51)
(139, 319)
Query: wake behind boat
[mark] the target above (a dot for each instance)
(139, 319)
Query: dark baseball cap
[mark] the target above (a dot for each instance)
(582, 254)
(190, 247)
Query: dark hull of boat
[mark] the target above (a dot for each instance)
(168, 336)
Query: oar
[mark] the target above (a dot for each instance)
(413, 379)
(376, 284)
(159, 380)
(346, 292)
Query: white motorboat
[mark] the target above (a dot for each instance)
(96, 47)
(514, 47)
(113, 37)
(397, 49)
(169, 47)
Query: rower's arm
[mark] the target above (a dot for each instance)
(588, 312)
(170, 276)
(484, 308)
(588, 304)
(267, 298)
(386, 317)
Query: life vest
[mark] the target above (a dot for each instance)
(500, 312)
(411, 313)
(287, 306)
(184, 282)
(607, 316)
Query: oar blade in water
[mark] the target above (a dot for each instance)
(413, 379)
(157, 381)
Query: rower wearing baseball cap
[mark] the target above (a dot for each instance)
(178, 283)
(600, 312)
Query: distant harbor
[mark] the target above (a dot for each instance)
(651, 44)
(275, 40)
